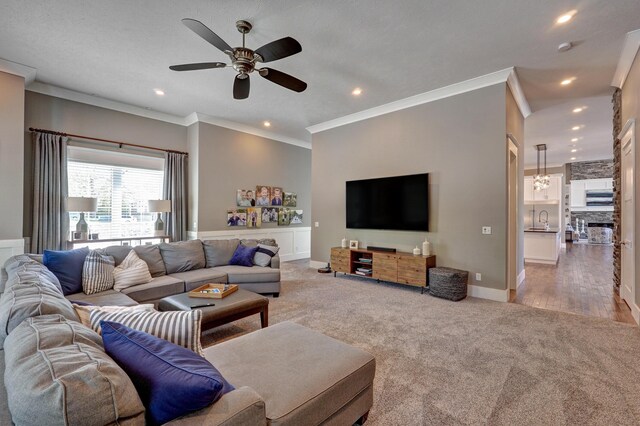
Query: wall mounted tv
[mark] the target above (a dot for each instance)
(392, 203)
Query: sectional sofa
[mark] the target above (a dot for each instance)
(54, 370)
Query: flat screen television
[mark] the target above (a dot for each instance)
(391, 203)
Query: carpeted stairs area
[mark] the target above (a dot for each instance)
(466, 363)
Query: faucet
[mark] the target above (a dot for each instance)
(546, 221)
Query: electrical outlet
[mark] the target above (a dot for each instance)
(317, 224)
(478, 276)
(486, 230)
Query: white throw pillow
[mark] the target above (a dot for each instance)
(264, 254)
(84, 311)
(97, 273)
(179, 327)
(132, 271)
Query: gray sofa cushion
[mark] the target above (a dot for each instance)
(18, 268)
(151, 255)
(58, 374)
(104, 298)
(182, 256)
(254, 274)
(199, 277)
(117, 252)
(219, 252)
(310, 386)
(156, 289)
(26, 300)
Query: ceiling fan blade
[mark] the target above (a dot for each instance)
(198, 66)
(203, 31)
(284, 80)
(241, 87)
(279, 49)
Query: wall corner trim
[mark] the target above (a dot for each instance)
(488, 293)
(28, 73)
(72, 95)
(491, 79)
(627, 56)
(518, 94)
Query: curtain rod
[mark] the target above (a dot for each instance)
(121, 144)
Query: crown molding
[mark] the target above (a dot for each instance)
(239, 127)
(628, 55)
(518, 94)
(476, 83)
(72, 95)
(28, 73)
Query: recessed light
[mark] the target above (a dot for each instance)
(573, 158)
(575, 128)
(567, 81)
(563, 19)
(574, 150)
(357, 91)
(574, 140)
(159, 92)
(577, 110)
(267, 124)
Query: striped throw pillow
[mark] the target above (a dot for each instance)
(84, 311)
(179, 327)
(132, 271)
(97, 272)
(264, 254)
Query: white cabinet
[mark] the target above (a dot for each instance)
(579, 190)
(578, 193)
(551, 195)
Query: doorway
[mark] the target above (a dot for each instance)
(627, 213)
(512, 214)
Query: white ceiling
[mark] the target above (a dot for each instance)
(121, 50)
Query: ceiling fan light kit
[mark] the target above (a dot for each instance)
(244, 60)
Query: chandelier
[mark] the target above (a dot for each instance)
(541, 181)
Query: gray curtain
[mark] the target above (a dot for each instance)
(175, 189)
(50, 218)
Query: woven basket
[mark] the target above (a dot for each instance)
(448, 283)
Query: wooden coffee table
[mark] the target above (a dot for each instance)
(239, 304)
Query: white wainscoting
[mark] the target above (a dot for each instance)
(294, 242)
(10, 248)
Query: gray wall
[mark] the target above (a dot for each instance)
(515, 126)
(231, 160)
(11, 155)
(631, 110)
(461, 142)
(47, 112)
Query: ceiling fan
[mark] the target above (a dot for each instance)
(244, 60)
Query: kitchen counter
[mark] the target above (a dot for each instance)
(542, 246)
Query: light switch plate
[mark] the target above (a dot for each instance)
(317, 224)
(478, 276)
(486, 230)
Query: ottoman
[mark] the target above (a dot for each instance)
(448, 283)
(304, 377)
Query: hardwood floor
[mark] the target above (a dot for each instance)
(581, 283)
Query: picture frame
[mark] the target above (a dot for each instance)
(254, 217)
(245, 198)
(290, 199)
(237, 217)
(353, 244)
(296, 217)
(276, 196)
(263, 196)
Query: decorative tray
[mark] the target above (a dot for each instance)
(213, 291)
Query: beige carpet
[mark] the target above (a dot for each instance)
(470, 362)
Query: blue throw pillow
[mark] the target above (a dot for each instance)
(172, 381)
(67, 267)
(243, 256)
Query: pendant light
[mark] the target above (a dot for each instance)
(541, 181)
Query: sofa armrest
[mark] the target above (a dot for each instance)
(275, 261)
(242, 406)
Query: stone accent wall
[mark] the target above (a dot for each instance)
(617, 128)
(592, 169)
(591, 217)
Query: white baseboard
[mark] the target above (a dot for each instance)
(488, 293)
(541, 261)
(635, 312)
(316, 264)
(294, 242)
(520, 278)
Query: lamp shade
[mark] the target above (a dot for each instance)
(159, 206)
(82, 204)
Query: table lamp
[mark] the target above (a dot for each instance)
(82, 205)
(159, 206)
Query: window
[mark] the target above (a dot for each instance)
(122, 183)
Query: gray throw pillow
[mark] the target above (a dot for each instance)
(119, 253)
(219, 252)
(182, 256)
(151, 255)
(264, 254)
(58, 374)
